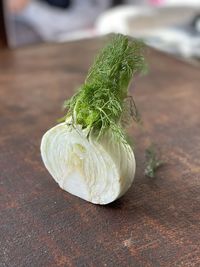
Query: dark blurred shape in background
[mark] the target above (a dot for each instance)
(3, 37)
(172, 26)
(58, 3)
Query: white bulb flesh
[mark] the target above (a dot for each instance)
(97, 171)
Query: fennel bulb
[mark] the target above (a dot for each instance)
(87, 154)
(97, 171)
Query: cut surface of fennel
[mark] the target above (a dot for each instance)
(97, 170)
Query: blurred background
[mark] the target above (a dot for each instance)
(172, 26)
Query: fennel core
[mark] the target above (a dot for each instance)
(101, 102)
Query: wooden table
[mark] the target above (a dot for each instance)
(157, 223)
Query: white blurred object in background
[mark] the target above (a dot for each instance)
(55, 24)
(168, 27)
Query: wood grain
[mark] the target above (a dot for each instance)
(157, 223)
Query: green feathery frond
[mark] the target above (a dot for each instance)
(100, 101)
(152, 161)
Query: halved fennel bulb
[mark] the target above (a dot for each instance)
(97, 170)
(88, 154)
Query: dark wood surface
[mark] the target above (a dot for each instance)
(157, 223)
